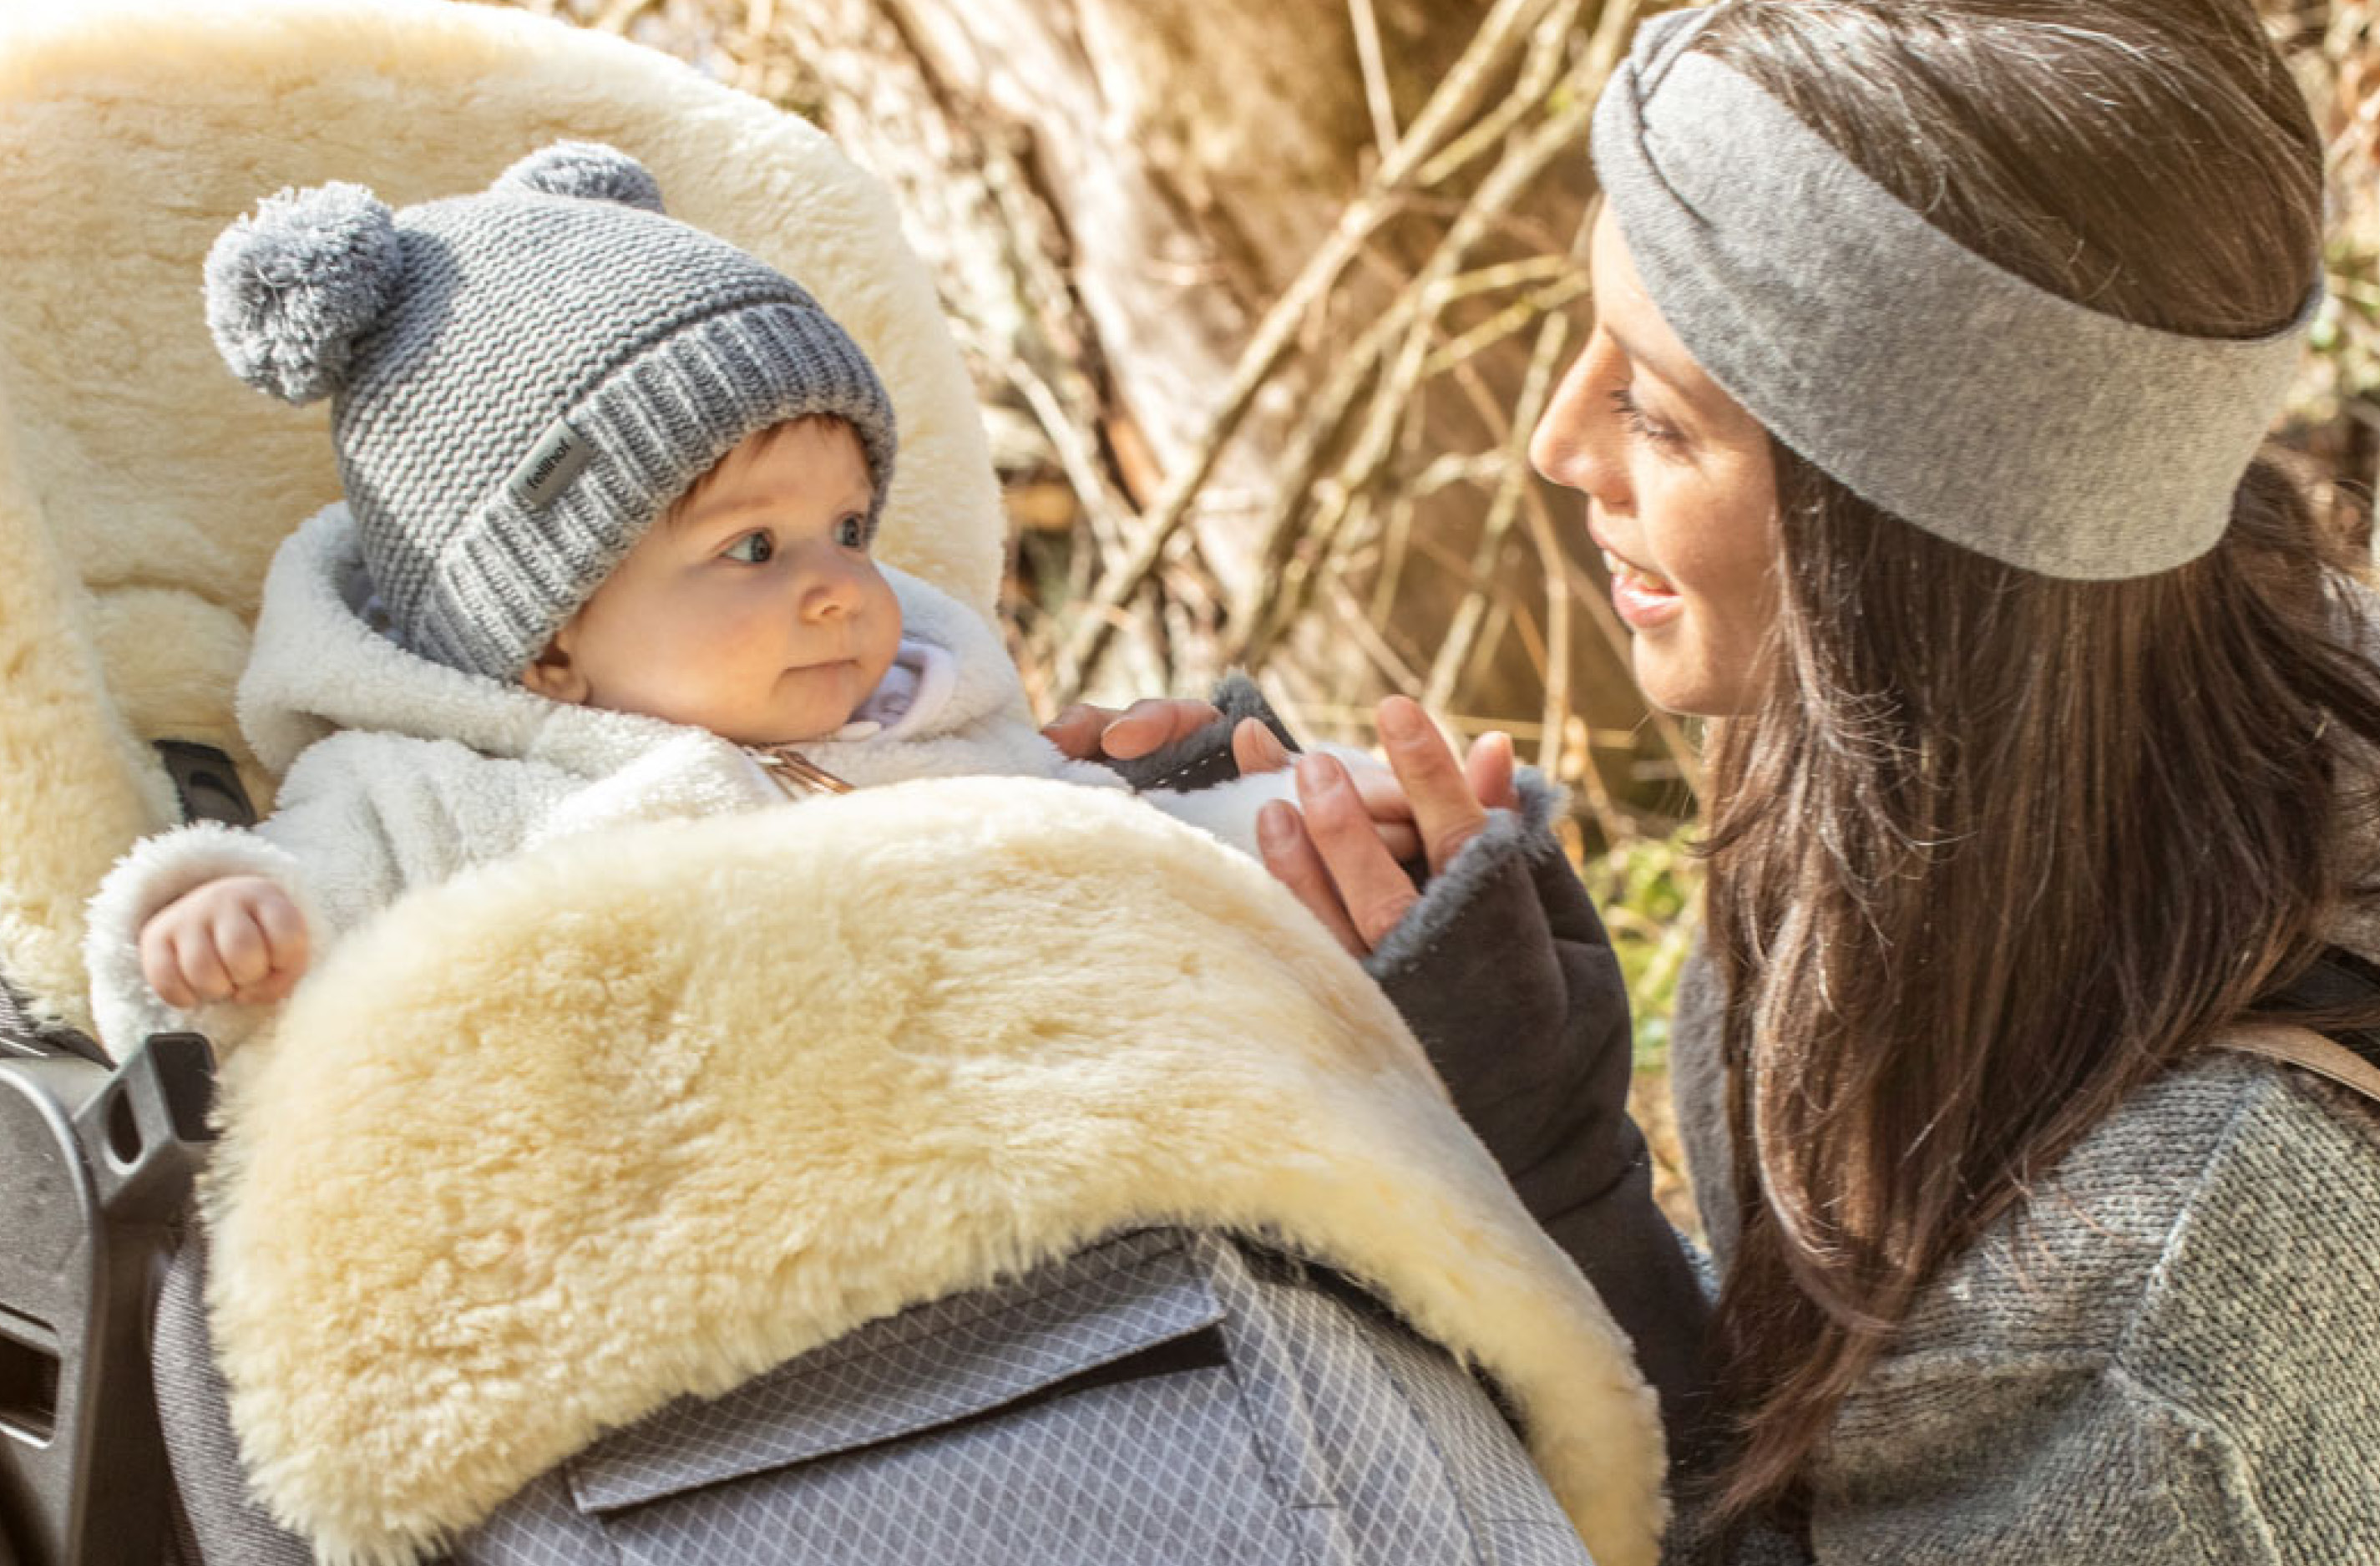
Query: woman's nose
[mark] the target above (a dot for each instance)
(1575, 443)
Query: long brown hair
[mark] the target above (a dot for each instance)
(1992, 850)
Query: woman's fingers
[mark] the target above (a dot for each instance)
(1255, 749)
(1385, 802)
(1076, 732)
(1086, 732)
(1154, 725)
(1372, 886)
(1446, 811)
(1488, 769)
(1289, 853)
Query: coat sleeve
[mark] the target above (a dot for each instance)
(361, 817)
(1505, 973)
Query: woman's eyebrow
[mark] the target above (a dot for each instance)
(1670, 382)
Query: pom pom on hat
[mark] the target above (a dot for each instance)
(291, 288)
(585, 169)
(527, 379)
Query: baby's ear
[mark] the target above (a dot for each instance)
(553, 675)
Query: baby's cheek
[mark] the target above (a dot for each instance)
(886, 613)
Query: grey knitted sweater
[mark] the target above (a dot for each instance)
(2170, 1353)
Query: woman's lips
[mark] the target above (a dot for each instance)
(1641, 597)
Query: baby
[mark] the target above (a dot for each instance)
(612, 489)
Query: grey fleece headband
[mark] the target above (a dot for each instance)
(1930, 381)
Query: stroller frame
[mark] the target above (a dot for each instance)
(99, 1164)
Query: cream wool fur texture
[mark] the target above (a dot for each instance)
(781, 1074)
(142, 489)
(768, 1073)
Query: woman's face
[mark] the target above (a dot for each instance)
(1683, 495)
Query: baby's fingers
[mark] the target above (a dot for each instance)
(284, 939)
(160, 965)
(203, 976)
(240, 945)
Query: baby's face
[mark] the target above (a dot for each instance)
(753, 610)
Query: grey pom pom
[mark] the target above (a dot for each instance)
(291, 288)
(587, 169)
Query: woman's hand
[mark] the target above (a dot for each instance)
(1340, 855)
(1085, 732)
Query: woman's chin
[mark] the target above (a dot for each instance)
(1671, 678)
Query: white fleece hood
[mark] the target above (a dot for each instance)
(321, 665)
(398, 772)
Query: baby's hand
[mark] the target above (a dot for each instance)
(237, 939)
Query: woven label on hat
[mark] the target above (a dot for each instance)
(560, 455)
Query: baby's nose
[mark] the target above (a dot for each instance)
(829, 591)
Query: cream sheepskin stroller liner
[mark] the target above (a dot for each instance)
(772, 1076)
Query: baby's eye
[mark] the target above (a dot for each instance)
(850, 532)
(753, 549)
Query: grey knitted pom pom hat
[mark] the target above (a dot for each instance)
(522, 380)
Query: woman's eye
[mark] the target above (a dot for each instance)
(752, 548)
(1633, 415)
(850, 532)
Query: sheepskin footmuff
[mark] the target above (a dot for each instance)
(653, 1110)
(143, 490)
(650, 1112)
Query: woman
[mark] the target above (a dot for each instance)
(2041, 757)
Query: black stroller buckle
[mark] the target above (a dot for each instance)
(98, 1164)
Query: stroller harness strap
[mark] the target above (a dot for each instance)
(206, 783)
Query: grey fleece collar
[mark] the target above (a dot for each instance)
(1930, 381)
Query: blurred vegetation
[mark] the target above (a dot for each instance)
(2334, 415)
(1650, 891)
(1401, 542)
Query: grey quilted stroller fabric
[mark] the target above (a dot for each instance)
(1164, 1397)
